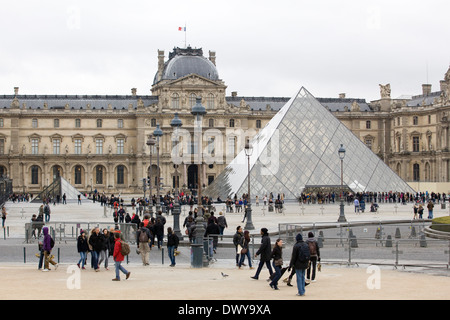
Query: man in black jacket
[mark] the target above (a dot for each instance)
(299, 261)
(265, 251)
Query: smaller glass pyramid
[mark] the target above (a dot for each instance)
(298, 148)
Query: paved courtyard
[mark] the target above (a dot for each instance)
(161, 282)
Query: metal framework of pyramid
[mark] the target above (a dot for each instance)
(60, 186)
(298, 148)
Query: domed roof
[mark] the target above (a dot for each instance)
(183, 62)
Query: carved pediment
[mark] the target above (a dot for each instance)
(193, 80)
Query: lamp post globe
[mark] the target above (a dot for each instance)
(341, 153)
(158, 134)
(151, 143)
(176, 123)
(249, 224)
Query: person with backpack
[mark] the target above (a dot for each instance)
(82, 248)
(299, 261)
(47, 212)
(48, 244)
(172, 245)
(142, 239)
(314, 257)
(118, 258)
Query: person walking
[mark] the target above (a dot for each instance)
(118, 258)
(4, 214)
(237, 241)
(415, 210)
(277, 261)
(420, 211)
(103, 254)
(47, 247)
(47, 212)
(245, 251)
(212, 232)
(264, 252)
(96, 243)
(159, 232)
(314, 253)
(143, 243)
(299, 261)
(82, 248)
(172, 245)
(222, 222)
(430, 207)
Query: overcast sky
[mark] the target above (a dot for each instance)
(263, 48)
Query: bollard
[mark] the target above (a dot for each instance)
(413, 232)
(397, 233)
(423, 242)
(378, 233)
(320, 242)
(389, 241)
(59, 253)
(24, 255)
(162, 255)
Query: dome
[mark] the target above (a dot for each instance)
(183, 62)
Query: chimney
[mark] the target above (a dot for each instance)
(341, 95)
(133, 92)
(234, 94)
(443, 85)
(16, 91)
(212, 57)
(160, 63)
(426, 89)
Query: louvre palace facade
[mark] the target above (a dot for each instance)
(99, 142)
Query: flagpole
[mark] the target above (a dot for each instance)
(185, 35)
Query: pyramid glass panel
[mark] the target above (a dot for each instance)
(298, 148)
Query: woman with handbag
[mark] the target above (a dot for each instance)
(277, 256)
(245, 252)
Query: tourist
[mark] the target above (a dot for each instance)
(159, 232)
(222, 222)
(103, 254)
(96, 243)
(47, 212)
(299, 261)
(237, 241)
(314, 253)
(212, 233)
(172, 245)
(430, 207)
(420, 211)
(47, 247)
(3, 216)
(143, 237)
(118, 258)
(415, 210)
(82, 248)
(245, 251)
(277, 262)
(264, 252)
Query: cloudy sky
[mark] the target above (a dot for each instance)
(263, 48)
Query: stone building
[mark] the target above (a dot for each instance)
(99, 142)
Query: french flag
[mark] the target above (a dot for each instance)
(181, 28)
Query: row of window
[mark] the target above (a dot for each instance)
(120, 144)
(175, 100)
(56, 123)
(415, 120)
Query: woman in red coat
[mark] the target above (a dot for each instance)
(118, 258)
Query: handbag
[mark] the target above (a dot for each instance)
(244, 250)
(278, 262)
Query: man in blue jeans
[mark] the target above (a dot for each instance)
(299, 261)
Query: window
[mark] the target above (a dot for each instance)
(210, 101)
(416, 144)
(77, 123)
(99, 175)
(211, 123)
(232, 146)
(77, 146)
(153, 122)
(2, 123)
(2, 146)
(34, 123)
(429, 119)
(120, 123)
(98, 146)
(231, 123)
(120, 145)
(77, 175)
(416, 172)
(56, 123)
(258, 124)
(99, 123)
(211, 146)
(192, 99)
(398, 121)
(368, 124)
(368, 142)
(120, 174)
(34, 146)
(56, 146)
(415, 120)
(175, 101)
(34, 175)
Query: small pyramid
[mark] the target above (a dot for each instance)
(298, 148)
(60, 186)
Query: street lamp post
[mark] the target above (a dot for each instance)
(150, 142)
(158, 133)
(175, 124)
(249, 225)
(198, 257)
(341, 153)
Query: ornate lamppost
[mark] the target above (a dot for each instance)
(150, 142)
(248, 152)
(158, 133)
(341, 153)
(175, 124)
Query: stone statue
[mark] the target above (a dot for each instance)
(385, 91)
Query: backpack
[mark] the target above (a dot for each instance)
(303, 253)
(312, 248)
(143, 236)
(46, 209)
(52, 242)
(125, 248)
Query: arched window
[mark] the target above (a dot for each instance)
(77, 175)
(258, 124)
(99, 174)
(175, 101)
(416, 172)
(192, 99)
(210, 101)
(120, 174)
(34, 175)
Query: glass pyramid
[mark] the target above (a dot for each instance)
(59, 187)
(298, 148)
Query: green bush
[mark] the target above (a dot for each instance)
(441, 224)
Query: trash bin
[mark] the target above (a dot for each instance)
(442, 205)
